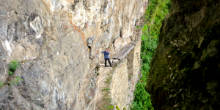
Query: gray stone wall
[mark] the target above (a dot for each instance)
(48, 39)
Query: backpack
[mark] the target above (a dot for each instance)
(90, 41)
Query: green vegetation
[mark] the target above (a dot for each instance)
(15, 81)
(108, 80)
(12, 66)
(1, 84)
(106, 104)
(110, 107)
(117, 108)
(106, 94)
(106, 89)
(155, 13)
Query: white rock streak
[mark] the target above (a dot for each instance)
(7, 47)
(36, 25)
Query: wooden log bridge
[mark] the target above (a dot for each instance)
(123, 52)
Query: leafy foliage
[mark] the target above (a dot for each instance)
(12, 66)
(16, 80)
(110, 107)
(117, 108)
(1, 84)
(155, 13)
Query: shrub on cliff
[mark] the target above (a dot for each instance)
(155, 13)
(12, 66)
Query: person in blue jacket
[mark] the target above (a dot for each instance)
(106, 57)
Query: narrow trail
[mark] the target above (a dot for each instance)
(104, 73)
(102, 98)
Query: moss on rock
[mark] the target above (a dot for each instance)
(185, 70)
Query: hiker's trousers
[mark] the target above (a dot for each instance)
(107, 59)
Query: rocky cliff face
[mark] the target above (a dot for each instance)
(185, 69)
(57, 68)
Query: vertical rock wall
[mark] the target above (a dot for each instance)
(125, 77)
(49, 39)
